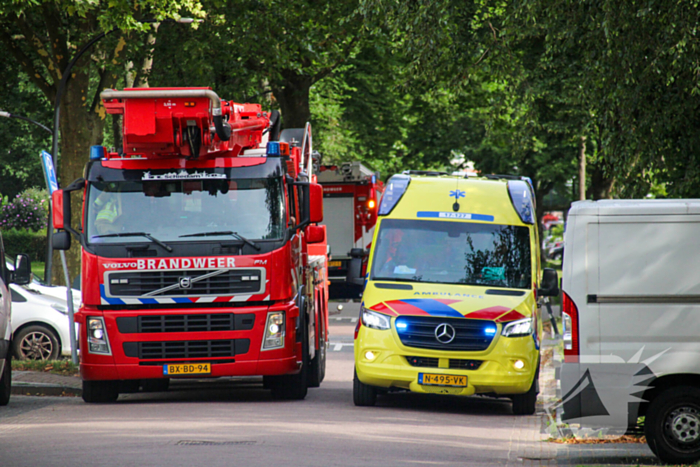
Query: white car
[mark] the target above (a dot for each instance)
(40, 323)
(40, 319)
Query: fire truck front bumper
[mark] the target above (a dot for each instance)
(150, 344)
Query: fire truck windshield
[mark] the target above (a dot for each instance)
(177, 210)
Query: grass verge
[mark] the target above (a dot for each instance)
(58, 367)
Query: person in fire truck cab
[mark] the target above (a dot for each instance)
(107, 220)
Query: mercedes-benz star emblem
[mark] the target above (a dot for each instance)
(445, 333)
(185, 283)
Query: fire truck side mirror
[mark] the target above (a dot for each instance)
(57, 205)
(315, 203)
(61, 207)
(316, 234)
(60, 240)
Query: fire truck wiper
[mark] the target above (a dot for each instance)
(136, 234)
(224, 232)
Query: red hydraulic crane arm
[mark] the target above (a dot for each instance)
(189, 122)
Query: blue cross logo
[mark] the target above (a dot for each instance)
(457, 194)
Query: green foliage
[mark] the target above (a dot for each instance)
(28, 210)
(58, 367)
(21, 142)
(25, 241)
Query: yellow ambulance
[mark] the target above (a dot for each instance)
(450, 298)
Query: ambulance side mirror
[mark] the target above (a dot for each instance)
(355, 267)
(549, 287)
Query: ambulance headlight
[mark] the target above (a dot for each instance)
(374, 320)
(98, 343)
(519, 328)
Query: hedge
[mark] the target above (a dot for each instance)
(25, 241)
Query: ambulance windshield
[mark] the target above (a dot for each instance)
(170, 210)
(453, 253)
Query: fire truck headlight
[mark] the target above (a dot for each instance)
(98, 342)
(274, 331)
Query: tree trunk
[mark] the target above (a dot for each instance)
(601, 183)
(80, 128)
(292, 93)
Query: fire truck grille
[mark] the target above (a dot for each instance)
(183, 283)
(205, 322)
(459, 334)
(186, 349)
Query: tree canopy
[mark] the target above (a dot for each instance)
(520, 87)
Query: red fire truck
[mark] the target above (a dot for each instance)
(201, 250)
(351, 193)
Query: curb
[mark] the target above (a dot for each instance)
(20, 388)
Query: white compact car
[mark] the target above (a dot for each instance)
(40, 320)
(39, 325)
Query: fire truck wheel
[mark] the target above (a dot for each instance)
(317, 369)
(155, 385)
(6, 381)
(294, 387)
(672, 425)
(363, 395)
(100, 391)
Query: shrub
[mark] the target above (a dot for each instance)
(25, 241)
(28, 210)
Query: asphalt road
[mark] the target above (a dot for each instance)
(235, 423)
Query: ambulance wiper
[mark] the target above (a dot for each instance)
(224, 232)
(136, 234)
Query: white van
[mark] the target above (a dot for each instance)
(631, 309)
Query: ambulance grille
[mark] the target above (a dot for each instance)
(454, 363)
(423, 361)
(183, 283)
(186, 349)
(420, 331)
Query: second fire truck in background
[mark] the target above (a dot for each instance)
(351, 193)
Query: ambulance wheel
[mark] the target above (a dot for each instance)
(100, 391)
(363, 395)
(525, 404)
(6, 381)
(672, 425)
(317, 369)
(294, 387)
